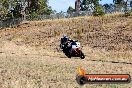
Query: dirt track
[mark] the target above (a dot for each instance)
(30, 58)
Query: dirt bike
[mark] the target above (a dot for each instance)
(73, 51)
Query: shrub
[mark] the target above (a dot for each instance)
(33, 16)
(99, 11)
(128, 13)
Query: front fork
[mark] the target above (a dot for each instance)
(77, 51)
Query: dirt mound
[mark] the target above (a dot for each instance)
(109, 33)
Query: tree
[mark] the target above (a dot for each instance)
(40, 7)
(5, 5)
(119, 4)
(98, 8)
(92, 5)
(98, 11)
(17, 11)
(108, 8)
(34, 5)
(70, 10)
(131, 5)
(44, 8)
(4, 8)
(13, 8)
(86, 5)
(118, 1)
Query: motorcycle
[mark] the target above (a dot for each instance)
(72, 50)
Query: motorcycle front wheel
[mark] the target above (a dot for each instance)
(67, 54)
(82, 56)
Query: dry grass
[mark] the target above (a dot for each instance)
(30, 55)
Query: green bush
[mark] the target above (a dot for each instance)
(33, 16)
(128, 13)
(99, 11)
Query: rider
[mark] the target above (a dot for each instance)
(67, 43)
(72, 43)
(64, 41)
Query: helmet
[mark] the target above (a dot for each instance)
(65, 37)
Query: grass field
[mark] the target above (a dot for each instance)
(30, 56)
